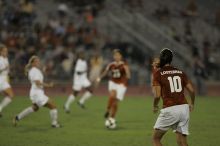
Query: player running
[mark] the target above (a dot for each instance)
(169, 83)
(117, 86)
(80, 81)
(4, 80)
(37, 95)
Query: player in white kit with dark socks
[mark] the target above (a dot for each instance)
(37, 95)
(80, 81)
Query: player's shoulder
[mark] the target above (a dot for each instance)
(34, 70)
(170, 70)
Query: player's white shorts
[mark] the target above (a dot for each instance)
(175, 117)
(119, 88)
(80, 82)
(39, 98)
(4, 85)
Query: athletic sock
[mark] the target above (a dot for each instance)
(85, 97)
(4, 103)
(54, 116)
(25, 112)
(70, 99)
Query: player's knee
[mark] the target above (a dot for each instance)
(75, 93)
(9, 93)
(90, 90)
(156, 138)
(53, 107)
(113, 94)
(35, 107)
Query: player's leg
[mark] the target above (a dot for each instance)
(112, 97)
(120, 92)
(157, 137)
(182, 129)
(53, 114)
(181, 139)
(70, 100)
(25, 113)
(114, 108)
(88, 94)
(8, 92)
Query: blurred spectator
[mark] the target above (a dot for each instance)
(96, 64)
(162, 12)
(174, 35)
(62, 9)
(192, 8)
(200, 75)
(217, 18)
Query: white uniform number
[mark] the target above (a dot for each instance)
(175, 84)
(116, 73)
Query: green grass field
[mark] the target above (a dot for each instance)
(86, 127)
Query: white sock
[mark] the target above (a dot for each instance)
(70, 99)
(25, 112)
(85, 97)
(5, 102)
(54, 116)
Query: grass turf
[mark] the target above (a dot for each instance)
(86, 127)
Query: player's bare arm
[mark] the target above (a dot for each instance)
(156, 62)
(157, 95)
(40, 84)
(128, 72)
(103, 74)
(191, 91)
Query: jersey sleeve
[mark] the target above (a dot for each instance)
(156, 79)
(185, 79)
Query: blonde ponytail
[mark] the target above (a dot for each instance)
(29, 65)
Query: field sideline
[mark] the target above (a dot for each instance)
(86, 127)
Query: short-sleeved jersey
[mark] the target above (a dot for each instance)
(82, 67)
(34, 75)
(118, 73)
(172, 82)
(4, 64)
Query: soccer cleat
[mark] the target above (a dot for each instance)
(106, 115)
(56, 125)
(15, 121)
(81, 105)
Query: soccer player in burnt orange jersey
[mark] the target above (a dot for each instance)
(119, 75)
(168, 84)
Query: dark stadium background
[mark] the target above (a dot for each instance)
(56, 30)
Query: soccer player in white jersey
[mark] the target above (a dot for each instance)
(80, 81)
(37, 95)
(5, 87)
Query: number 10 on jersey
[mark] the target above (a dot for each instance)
(175, 84)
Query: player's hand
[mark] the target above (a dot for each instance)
(191, 107)
(98, 80)
(155, 109)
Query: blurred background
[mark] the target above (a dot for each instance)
(56, 30)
